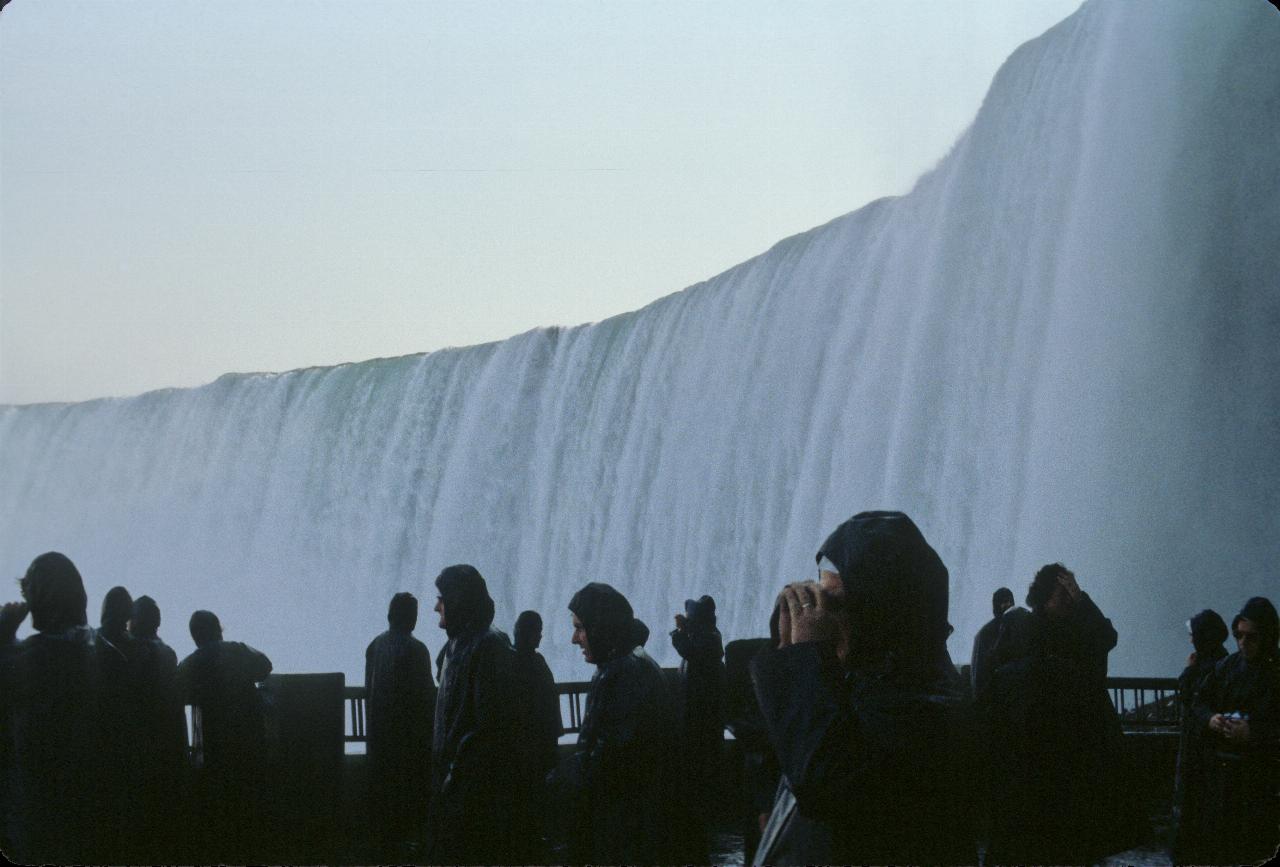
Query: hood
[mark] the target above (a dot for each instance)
(1208, 632)
(896, 590)
(467, 605)
(607, 617)
(1260, 610)
(701, 613)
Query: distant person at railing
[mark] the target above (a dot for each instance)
(1238, 710)
(121, 721)
(701, 650)
(399, 704)
(162, 740)
(540, 727)
(1208, 632)
(1062, 789)
(50, 710)
(221, 679)
(873, 745)
(474, 750)
(620, 812)
(981, 661)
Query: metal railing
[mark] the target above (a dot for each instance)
(1143, 703)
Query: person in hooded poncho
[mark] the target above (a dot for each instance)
(220, 679)
(473, 746)
(540, 728)
(163, 742)
(1237, 712)
(1063, 788)
(400, 700)
(873, 746)
(1208, 632)
(701, 650)
(616, 781)
(50, 707)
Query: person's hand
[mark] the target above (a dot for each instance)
(680, 621)
(1218, 723)
(810, 613)
(11, 617)
(1237, 730)
(1068, 582)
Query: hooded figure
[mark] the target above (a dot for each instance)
(473, 746)
(1237, 713)
(121, 718)
(873, 747)
(1208, 632)
(399, 703)
(540, 729)
(163, 739)
(616, 778)
(1063, 787)
(50, 708)
(220, 679)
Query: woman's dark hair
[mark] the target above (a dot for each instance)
(1043, 585)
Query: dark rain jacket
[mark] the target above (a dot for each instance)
(221, 679)
(399, 704)
(1063, 788)
(875, 753)
(1239, 819)
(473, 746)
(617, 775)
(701, 652)
(542, 725)
(1191, 786)
(162, 743)
(983, 659)
(51, 697)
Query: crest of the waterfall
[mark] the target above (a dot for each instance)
(1061, 345)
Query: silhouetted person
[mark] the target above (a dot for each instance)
(1238, 711)
(220, 680)
(701, 650)
(162, 741)
(759, 771)
(49, 687)
(538, 736)
(640, 635)
(399, 704)
(615, 778)
(872, 744)
(980, 660)
(1062, 785)
(474, 748)
(1208, 632)
(121, 717)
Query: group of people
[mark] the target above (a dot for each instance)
(94, 751)
(1038, 680)
(860, 740)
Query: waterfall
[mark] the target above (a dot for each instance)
(1060, 345)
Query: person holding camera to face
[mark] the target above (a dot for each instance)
(873, 744)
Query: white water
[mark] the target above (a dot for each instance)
(1061, 345)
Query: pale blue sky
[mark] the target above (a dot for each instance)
(188, 189)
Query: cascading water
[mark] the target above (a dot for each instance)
(1062, 344)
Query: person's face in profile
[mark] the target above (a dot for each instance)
(439, 609)
(580, 639)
